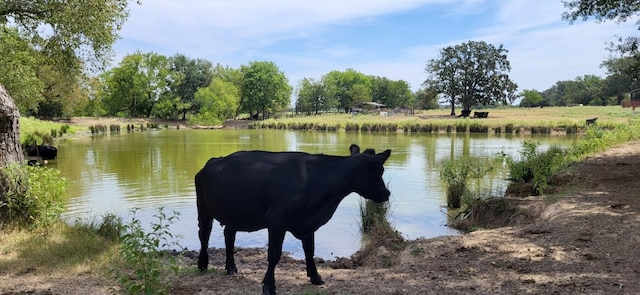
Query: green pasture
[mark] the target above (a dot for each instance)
(534, 120)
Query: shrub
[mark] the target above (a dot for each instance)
(33, 196)
(535, 166)
(141, 253)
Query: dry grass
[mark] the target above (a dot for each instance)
(61, 249)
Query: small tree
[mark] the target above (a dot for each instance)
(531, 98)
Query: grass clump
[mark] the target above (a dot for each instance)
(378, 234)
(456, 174)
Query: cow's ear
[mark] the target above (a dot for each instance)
(385, 155)
(369, 151)
(354, 149)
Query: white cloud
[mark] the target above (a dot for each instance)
(297, 36)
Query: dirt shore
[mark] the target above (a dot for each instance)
(582, 240)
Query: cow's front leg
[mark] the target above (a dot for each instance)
(308, 245)
(229, 243)
(276, 238)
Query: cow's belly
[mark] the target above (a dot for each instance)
(242, 216)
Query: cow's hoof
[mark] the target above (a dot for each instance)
(269, 290)
(202, 268)
(232, 270)
(317, 280)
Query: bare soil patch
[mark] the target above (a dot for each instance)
(584, 240)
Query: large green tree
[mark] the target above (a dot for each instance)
(218, 101)
(585, 90)
(19, 63)
(311, 97)
(392, 93)
(68, 30)
(531, 98)
(134, 87)
(264, 89)
(348, 88)
(427, 99)
(616, 87)
(195, 73)
(627, 64)
(58, 37)
(69, 33)
(472, 73)
(623, 70)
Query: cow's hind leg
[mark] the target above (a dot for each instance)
(229, 241)
(276, 238)
(308, 245)
(204, 232)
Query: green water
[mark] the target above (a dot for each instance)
(117, 172)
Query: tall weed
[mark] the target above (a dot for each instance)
(457, 173)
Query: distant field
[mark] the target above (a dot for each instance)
(523, 117)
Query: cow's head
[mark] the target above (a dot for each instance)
(369, 182)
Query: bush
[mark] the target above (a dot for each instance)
(205, 118)
(535, 166)
(141, 253)
(33, 196)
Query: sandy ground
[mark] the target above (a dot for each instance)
(584, 241)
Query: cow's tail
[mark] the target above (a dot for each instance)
(205, 220)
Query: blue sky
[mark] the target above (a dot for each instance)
(387, 38)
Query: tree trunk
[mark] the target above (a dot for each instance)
(10, 149)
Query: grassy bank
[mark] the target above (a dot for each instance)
(507, 120)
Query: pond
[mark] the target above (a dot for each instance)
(114, 173)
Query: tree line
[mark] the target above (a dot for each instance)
(53, 75)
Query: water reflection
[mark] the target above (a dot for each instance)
(115, 173)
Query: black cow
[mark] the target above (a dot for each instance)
(281, 191)
(47, 152)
